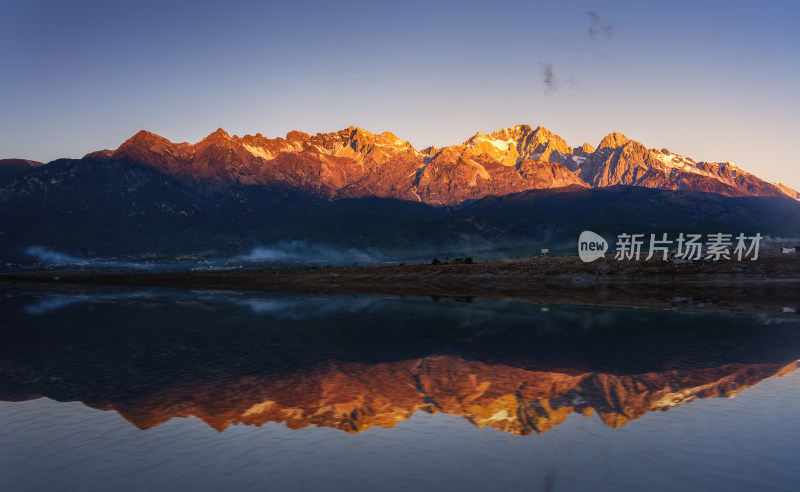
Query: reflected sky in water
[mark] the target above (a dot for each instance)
(170, 389)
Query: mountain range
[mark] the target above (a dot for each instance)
(354, 163)
(510, 192)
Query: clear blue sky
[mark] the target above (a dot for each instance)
(710, 80)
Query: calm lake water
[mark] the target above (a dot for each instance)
(200, 390)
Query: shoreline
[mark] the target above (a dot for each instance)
(771, 284)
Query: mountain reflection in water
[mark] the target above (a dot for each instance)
(356, 362)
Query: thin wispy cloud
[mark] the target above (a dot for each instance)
(598, 27)
(549, 78)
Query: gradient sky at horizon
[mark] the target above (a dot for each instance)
(713, 81)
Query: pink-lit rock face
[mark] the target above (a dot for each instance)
(354, 163)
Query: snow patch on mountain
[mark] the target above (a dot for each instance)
(674, 160)
(258, 151)
(501, 145)
(683, 164)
